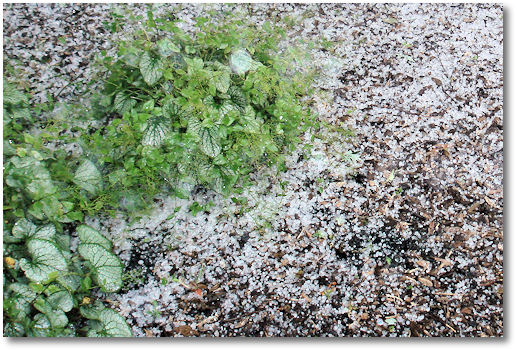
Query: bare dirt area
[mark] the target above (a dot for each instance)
(394, 228)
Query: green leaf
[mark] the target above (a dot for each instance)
(46, 258)
(92, 311)
(166, 47)
(88, 234)
(194, 64)
(240, 61)
(13, 329)
(209, 142)
(41, 326)
(32, 176)
(70, 282)
(156, 132)
(151, 68)
(61, 300)
(88, 177)
(23, 228)
(249, 121)
(23, 291)
(57, 317)
(106, 266)
(12, 95)
(123, 103)
(113, 325)
(171, 109)
(222, 81)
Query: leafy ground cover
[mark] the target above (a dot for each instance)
(390, 225)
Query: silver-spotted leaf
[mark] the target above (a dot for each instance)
(171, 109)
(57, 317)
(41, 326)
(222, 81)
(240, 61)
(238, 97)
(23, 291)
(113, 324)
(61, 300)
(228, 108)
(88, 177)
(45, 232)
(251, 124)
(209, 142)
(92, 311)
(46, 259)
(14, 329)
(166, 47)
(88, 234)
(123, 102)
(194, 126)
(151, 68)
(106, 266)
(156, 132)
(23, 228)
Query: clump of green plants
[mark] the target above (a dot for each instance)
(204, 108)
(177, 110)
(47, 286)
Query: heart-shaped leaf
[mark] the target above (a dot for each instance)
(106, 266)
(88, 234)
(46, 259)
(112, 325)
(209, 142)
(151, 68)
(166, 47)
(240, 61)
(156, 132)
(123, 103)
(88, 177)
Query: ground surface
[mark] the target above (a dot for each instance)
(406, 240)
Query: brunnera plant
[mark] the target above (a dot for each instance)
(48, 287)
(202, 108)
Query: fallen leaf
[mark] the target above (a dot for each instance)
(242, 323)
(437, 82)
(474, 207)
(390, 20)
(423, 263)
(186, 330)
(198, 291)
(490, 202)
(426, 281)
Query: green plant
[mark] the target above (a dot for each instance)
(197, 109)
(177, 111)
(47, 284)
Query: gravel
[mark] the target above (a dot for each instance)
(396, 231)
